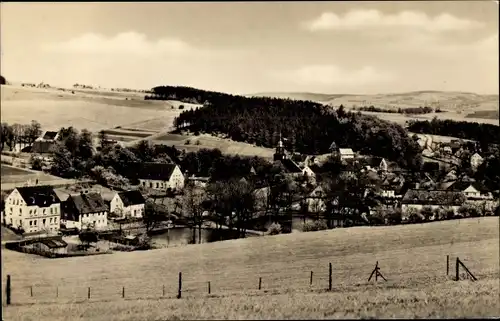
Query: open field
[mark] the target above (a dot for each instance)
(55, 109)
(226, 146)
(13, 171)
(12, 177)
(411, 257)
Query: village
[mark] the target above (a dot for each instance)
(168, 206)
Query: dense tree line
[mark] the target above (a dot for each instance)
(310, 127)
(24, 134)
(486, 133)
(409, 110)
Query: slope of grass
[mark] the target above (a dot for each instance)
(412, 258)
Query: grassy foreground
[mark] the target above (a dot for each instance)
(412, 258)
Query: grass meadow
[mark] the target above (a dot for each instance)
(411, 257)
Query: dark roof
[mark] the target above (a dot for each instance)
(41, 196)
(131, 198)
(54, 243)
(373, 161)
(290, 166)
(89, 203)
(43, 147)
(155, 171)
(50, 135)
(460, 186)
(425, 197)
(315, 168)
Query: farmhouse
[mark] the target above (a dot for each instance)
(128, 204)
(45, 143)
(33, 209)
(417, 199)
(85, 210)
(315, 200)
(159, 176)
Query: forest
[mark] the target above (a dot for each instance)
(409, 110)
(309, 127)
(485, 133)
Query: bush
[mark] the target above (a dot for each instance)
(197, 142)
(187, 142)
(181, 107)
(427, 213)
(393, 216)
(274, 229)
(318, 225)
(468, 210)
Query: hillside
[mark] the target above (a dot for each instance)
(308, 127)
(458, 106)
(411, 257)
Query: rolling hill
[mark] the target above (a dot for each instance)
(411, 257)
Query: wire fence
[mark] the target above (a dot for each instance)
(193, 285)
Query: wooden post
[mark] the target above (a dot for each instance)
(208, 287)
(31, 291)
(8, 290)
(57, 291)
(163, 290)
(179, 294)
(260, 283)
(88, 293)
(447, 264)
(123, 292)
(457, 277)
(311, 278)
(330, 277)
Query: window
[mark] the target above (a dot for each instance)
(34, 222)
(51, 210)
(43, 211)
(51, 220)
(44, 221)
(31, 223)
(157, 184)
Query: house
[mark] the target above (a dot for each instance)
(315, 200)
(198, 181)
(471, 190)
(45, 143)
(85, 210)
(159, 176)
(127, 204)
(418, 198)
(309, 173)
(391, 186)
(476, 160)
(33, 209)
(346, 153)
(376, 164)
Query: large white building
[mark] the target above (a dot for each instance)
(127, 204)
(34, 209)
(159, 176)
(85, 210)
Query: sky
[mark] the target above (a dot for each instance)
(252, 47)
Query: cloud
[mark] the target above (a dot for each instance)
(331, 75)
(130, 44)
(361, 19)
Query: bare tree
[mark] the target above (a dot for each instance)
(192, 204)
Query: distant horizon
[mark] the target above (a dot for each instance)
(17, 82)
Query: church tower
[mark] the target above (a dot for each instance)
(280, 150)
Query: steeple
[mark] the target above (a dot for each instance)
(280, 150)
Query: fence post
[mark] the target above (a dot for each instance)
(330, 277)
(260, 283)
(123, 292)
(447, 264)
(88, 293)
(57, 291)
(311, 278)
(208, 287)
(456, 270)
(179, 294)
(7, 289)
(163, 290)
(31, 291)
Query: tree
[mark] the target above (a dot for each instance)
(33, 131)
(152, 216)
(103, 138)
(6, 136)
(87, 237)
(193, 202)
